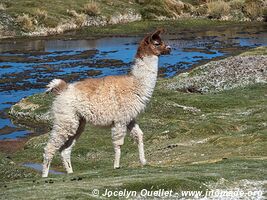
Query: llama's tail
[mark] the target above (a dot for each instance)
(56, 86)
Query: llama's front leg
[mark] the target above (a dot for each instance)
(117, 149)
(137, 134)
(118, 134)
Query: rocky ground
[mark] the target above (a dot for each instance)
(233, 72)
(193, 141)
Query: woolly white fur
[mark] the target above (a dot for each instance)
(54, 83)
(103, 110)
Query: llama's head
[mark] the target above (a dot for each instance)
(153, 45)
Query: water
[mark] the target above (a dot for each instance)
(39, 167)
(27, 66)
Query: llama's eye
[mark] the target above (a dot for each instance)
(157, 44)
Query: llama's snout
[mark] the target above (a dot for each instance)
(167, 50)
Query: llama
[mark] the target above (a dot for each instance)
(113, 101)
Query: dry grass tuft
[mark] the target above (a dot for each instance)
(200, 10)
(92, 8)
(79, 19)
(72, 13)
(217, 9)
(175, 7)
(253, 9)
(2, 6)
(26, 22)
(41, 15)
(152, 9)
(237, 4)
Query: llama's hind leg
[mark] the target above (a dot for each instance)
(65, 150)
(54, 143)
(137, 134)
(118, 134)
(62, 131)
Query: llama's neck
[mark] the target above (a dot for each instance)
(145, 66)
(145, 72)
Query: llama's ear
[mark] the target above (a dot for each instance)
(156, 34)
(147, 39)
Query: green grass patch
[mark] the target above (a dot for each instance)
(226, 140)
(256, 51)
(145, 26)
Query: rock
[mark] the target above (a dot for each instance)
(128, 16)
(33, 109)
(223, 75)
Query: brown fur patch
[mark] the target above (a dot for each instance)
(59, 88)
(103, 86)
(152, 45)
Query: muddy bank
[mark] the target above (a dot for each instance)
(12, 146)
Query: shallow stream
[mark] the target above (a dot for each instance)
(26, 66)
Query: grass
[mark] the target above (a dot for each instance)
(253, 9)
(256, 51)
(140, 28)
(153, 9)
(2, 6)
(146, 26)
(236, 4)
(218, 9)
(57, 10)
(79, 19)
(185, 150)
(26, 22)
(41, 16)
(43, 102)
(37, 15)
(92, 8)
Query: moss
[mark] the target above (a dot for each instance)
(32, 106)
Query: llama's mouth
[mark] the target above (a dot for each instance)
(166, 52)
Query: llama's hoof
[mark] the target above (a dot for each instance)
(44, 175)
(143, 162)
(117, 167)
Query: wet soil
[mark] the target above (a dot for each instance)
(12, 146)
